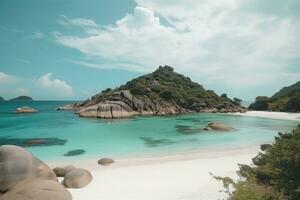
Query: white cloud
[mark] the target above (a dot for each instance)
(6, 78)
(64, 20)
(57, 87)
(210, 40)
(37, 35)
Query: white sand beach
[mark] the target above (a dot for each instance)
(177, 177)
(271, 115)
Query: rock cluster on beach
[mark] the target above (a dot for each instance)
(162, 92)
(24, 177)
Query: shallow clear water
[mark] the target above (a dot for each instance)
(130, 137)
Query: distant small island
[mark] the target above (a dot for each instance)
(285, 100)
(162, 92)
(22, 98)
(2, 99)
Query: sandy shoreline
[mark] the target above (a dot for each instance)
(178, 177)
(270, 115)
(181, 176)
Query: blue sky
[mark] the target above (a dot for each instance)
(65, 49)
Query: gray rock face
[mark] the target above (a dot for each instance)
(219, 127)
(62, 171)
(17, 164)
(26, 110)
(123, 104)
(77, 178)
(105, 161)
(37, 189)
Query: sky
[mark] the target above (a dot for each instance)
(70, 50)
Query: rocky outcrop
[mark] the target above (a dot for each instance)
(105, 161)
(77, 178)
(62, 171)
(163, 92)
(17, 164)
(122, 104)
(216, 126)
(37, 189)
(26, 110)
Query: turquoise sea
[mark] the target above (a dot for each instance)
(63, 131)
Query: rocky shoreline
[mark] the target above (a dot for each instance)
(122, 104)
(163, 92)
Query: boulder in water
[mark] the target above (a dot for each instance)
(216, 126)
(75, 152)
(26, 110)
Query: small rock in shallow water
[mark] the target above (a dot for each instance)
(32, 142)
(26, 110)
(216, 126)
(105, 161)
(77, 178)
(62, 171)
(75, 152)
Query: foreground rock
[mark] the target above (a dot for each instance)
(26, 110)
(36, 189)
(17, 164)
(62, 171)
(163, 92)
(77, 178)
(105, 161)
(219, 127)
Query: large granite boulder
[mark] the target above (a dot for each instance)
(26, 110)
(17, 164)
(77, 178)
(62, 171)
(37, 189)
(219, 127)
(105, 161)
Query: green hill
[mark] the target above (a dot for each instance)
(161, 92)
(22, 98)
(286, 100)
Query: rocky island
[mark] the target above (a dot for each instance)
(22, 98)
(285, 100)
(2, 99)
(163, 92)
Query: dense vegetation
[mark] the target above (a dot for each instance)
(286, 99)
(166, 85)
(275, 175)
